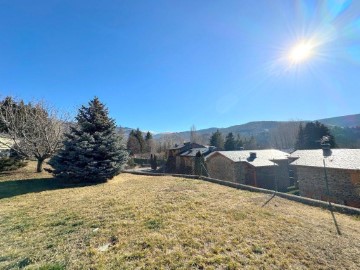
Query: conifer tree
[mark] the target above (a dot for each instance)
(239, 144)
(148, 142)
(140, 138)
(200, 165)
(250, 143)
(217, 140)
(92, 149)
(153, 162)
(300, 140)
(133, 144)
(230, 142)
(309, 137)
(148, 136)
(136, 142)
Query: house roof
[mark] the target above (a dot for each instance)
(6, 141)
(338, 159)
(263, 157)
(187, 144)
(192, 152)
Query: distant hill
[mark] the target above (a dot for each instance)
(125, 131)
(262, 131)
(248, 129)
(343, 121)
(266, 133)
(256, 127)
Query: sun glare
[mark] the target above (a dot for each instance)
(301, 52)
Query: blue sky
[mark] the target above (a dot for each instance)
(166, 65)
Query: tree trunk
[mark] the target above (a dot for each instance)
(39, 166)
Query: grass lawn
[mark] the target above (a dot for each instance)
(147, 222)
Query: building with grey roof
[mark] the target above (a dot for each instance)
(5, 146)
(181, 158)
(348, 159)
(343, 174)
(261, 168)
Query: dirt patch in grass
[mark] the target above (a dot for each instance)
(149, 222)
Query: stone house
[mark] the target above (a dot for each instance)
(180, 159)
(177, 149)
(343, 174)
(5, 146)
(261, 168)
(185, 162)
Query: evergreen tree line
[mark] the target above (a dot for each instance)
(137, 143)
(308, 137)
(231, 142)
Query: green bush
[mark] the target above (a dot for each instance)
(11, 164)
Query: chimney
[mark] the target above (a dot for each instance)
(326, 149)
(252, 155)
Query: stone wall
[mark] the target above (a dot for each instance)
(185, 164)
(221, 168)
(265, 177)
(282, 175)
(344, 185)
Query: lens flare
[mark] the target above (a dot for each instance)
(301, 52)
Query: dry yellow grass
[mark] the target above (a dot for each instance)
(166, 223)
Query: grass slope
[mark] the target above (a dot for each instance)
(165, 223)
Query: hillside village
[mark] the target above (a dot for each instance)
(311, 168)
(277, 170)
(44, 159)
(179, 135)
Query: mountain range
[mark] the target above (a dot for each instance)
(261, 130)
(253, 128)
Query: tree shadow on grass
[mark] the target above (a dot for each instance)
(14, 188)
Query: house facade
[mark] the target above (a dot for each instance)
(181, 158)
(261, 168)
(5, 146)
(185, 162)
(342, 168)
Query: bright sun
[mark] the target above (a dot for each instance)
(301, 52)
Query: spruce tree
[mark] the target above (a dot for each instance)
(300, 140)
(148, 142)
(153, 162)
(239, 144)
(136, 142)
(217, 140)
(200, 165)
(148, 136)
(92, 149)
(140, 138)
(309, 137)
(133, 144)
(230, 142)
(250, 143)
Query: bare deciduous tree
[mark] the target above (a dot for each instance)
(193, 135)
(284, 136)
(34, 129)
